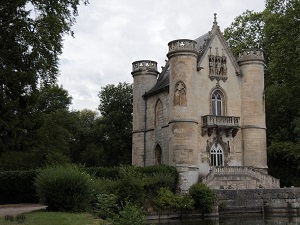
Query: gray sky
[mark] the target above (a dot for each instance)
(111, 34)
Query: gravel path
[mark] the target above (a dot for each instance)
(16, 209)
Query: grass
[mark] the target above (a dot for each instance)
(53, 218)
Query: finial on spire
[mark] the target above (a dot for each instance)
(215, 19)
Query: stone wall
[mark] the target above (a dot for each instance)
(281, 200)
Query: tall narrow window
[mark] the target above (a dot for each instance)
(157, 155)
(159, 114)
(216, 104)
(216, 155)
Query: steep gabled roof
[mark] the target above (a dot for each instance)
(203, 43)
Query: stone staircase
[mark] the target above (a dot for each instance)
(238, 177)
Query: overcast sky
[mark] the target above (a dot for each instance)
(111, 34)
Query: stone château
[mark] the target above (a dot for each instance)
(203, 113)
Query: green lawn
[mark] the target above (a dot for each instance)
(53, 218)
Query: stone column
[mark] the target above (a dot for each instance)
(144, 74)
(251, 62)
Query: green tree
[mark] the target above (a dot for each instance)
(276, 30)
(31, 36)
(247, 31)
(116, 122)
(87, 144)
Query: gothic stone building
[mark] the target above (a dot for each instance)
(203, 113)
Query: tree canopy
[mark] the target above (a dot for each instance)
(276, 30)
(31, 40)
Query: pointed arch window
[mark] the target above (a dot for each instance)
(157, 155)
(216, 155)
(217, 103)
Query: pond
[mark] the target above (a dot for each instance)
(236, 220)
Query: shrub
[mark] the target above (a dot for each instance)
(106, 206)
(17, 187)
(203, 196)
(130, 186)
(65, 188)
(167, 200)
(157, 180)
(130, 214)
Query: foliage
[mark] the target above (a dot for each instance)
(166, 199)
(106, 206)
(17, 187)
(285, 153)
(203, 196)
(130, 185)
(276, 30)
(116, 122)
(65, 188)
(31, 36)
(247, 31)
(130, 214)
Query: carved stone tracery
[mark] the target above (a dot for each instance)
(217, 66)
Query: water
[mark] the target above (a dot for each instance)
(236, 220)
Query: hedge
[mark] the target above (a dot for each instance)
(18, 187)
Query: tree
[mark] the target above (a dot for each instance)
(247, 31)
(31, 35)
(49, 141)
(87, 145)
(279, 37)
(116, 122)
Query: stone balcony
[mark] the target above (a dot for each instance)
(230, 124)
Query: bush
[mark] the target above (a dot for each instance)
(203, 196)
(167, 200)
(130, 214)
(130, 186)
(65, 188)
(106, 206)
(17, 187)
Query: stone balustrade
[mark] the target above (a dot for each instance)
(144, 65)
(182, 45)
(223, 121)
(262, 179)
(251, 54)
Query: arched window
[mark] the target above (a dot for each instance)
(157, 155)
(216, 103)
(216, 155)
(180, 94)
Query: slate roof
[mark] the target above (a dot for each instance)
(163, 79)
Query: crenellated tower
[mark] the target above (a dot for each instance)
(251, 62)
(183, 124)
(144, 74)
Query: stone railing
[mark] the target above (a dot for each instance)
(182, 45)
(144, 65)
(223, 121)
(251, 54)
(241, 171)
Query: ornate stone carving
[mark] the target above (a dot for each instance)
(217, 66)
(143, 65)
(180, 94)
(251, 54)
(182, 45)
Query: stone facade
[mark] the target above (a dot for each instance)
(205, 109)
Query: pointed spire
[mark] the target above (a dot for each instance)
(215, 19)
